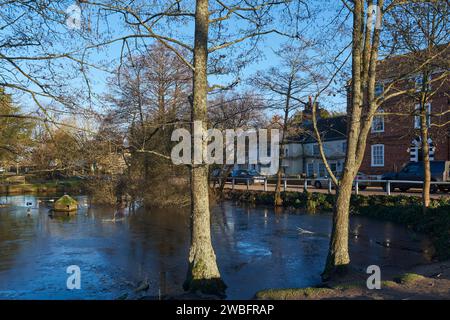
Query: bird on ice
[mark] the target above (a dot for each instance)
(303, 231)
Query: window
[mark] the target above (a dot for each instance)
(414, 154)
(286, 152)
(419, 84)
(333, 167)
(378, 155)
(310, 169)
(417, 115)
(316, 150)
(339, 166)
(378, 123)
(344, 146)
(379, 89)
(322, 170)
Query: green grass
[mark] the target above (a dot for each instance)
(38, 186)
(388, 284)
(408, 278)
(66, 201)
(347, 286)
(293, 294)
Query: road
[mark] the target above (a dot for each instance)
(369, 191)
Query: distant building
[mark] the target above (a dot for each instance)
(394, 139)
(302, 155)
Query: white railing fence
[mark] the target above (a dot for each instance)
(387, 185)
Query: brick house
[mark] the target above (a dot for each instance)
(394, 139)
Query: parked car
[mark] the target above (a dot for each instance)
(323, 182)
(413, 171)
(241, 176)
(362, 179)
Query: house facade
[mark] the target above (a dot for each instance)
(395, 139)
(302, 154)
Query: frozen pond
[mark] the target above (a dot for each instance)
(256, 249)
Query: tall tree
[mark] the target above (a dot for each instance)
(368, 19)
(288, 87)
(421, 31)
(234, 110)
(365, 47)
(218, 27)
(15, 132)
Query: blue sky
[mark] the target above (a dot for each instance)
(268, 45)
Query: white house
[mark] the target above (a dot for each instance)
(302, 155)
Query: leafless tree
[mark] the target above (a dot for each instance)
(287, 88)
(232, 110)
(420, 31)
(218, 27)
(367, 25)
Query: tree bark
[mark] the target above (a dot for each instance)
(203, 273)
(426, 157)
(338, 257)
(278, 199)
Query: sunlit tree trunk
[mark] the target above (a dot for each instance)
(278, 199)
(203, 274)
(360, 115)
(338, 256)
(426, 155)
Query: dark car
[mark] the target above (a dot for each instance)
(362, 178)
(413, 171)
(242, 176)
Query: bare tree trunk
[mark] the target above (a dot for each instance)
(203, 273)
(426, 157)
(338, 257)
(278, 199)
(224, 178)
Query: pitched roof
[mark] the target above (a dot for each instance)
(334, 128)
(405, 64)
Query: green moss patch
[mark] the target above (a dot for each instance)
(65, 204)
(409, 278)
(388, 284)
(293, 294)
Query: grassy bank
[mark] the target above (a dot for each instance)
(41, 187)
(408, 286)
(403, 210)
